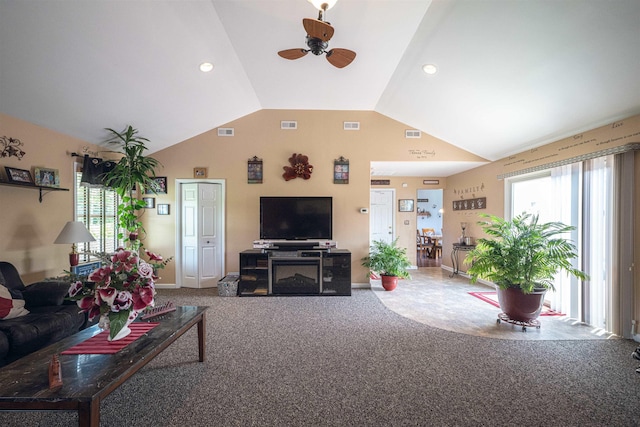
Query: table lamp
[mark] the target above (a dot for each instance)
(74, 232)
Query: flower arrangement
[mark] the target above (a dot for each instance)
(119, 290)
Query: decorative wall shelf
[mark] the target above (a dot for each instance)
(41, 189)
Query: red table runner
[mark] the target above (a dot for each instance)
(98, 344)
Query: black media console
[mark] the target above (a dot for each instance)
(290, 270)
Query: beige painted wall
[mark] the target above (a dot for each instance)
(29, 227)
(406, 222)
(321, 137)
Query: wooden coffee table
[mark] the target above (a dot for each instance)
(89, 378)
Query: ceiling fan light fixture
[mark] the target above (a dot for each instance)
(429, 68)
(323, 4)
(205, 67)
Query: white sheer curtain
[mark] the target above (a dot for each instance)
(598, 244)
(565, 190)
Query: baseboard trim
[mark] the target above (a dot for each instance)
(166, 286)
(360, 285)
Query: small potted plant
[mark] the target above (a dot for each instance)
(388, 260)
(521, 258)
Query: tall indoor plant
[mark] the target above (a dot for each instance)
(133, 172)
(388, 260)
(521, 257)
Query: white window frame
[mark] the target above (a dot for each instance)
(99, 231)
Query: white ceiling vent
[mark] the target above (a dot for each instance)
(289, 124)
(225, 131)
(351, 125)
(412, 133)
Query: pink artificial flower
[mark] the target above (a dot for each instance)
(142, 297)
(75, 288)
(145, 270)
(85, 303)
(124, 261)
(121, 255)
(122, 301)
(107, 294)
(102, 275)
(152, 256)
(88, 304)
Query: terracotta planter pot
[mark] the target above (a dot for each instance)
(389, 283)
(520, 306)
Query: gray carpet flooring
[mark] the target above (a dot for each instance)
(336, 361)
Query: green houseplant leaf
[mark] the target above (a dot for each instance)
(388, 259)
(522, 253)
(134, 171)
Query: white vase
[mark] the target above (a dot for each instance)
(133, 314)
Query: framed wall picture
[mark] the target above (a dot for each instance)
(405, 205)
(254, 170)
(199, 172)
(163, 209)
(341, 171)
(149, 202)
(159, 185)
(18, 176)
(47, 177)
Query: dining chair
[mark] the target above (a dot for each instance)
(421, 245)
(427, 231)
(435, 246)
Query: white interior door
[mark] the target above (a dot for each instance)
(202, 244)
(382, 216)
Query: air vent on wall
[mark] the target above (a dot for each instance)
(411, 133)
(351, 125)
(289, 124)
(225, 131)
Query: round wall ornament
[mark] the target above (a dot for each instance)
(300, 167)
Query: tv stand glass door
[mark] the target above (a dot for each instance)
(295, 274)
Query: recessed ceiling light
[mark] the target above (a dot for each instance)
(429, 68)
(205, 67)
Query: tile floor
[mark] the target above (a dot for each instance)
(433, 298)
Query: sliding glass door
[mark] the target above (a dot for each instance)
(579, 194)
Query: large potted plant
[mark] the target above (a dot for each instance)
(389, 261)
(133, 172)
(521, 257)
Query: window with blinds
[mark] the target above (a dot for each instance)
(97, 209)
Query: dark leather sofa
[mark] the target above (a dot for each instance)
(50, 317)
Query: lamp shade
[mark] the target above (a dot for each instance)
(74, 232)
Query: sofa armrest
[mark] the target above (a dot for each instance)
(43, 294)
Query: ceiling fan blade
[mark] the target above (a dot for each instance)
(318, 29)
(292, 53)
(340, 57)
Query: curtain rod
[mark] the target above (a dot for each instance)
(614, 150)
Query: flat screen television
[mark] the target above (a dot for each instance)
(296, 218)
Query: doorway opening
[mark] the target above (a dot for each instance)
(429, 237)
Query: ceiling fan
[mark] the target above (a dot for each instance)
(319, 32)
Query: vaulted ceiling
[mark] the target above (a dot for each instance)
(511, 74)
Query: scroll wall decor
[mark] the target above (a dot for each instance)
(341, 171)
(11, 147)
(254, 170)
